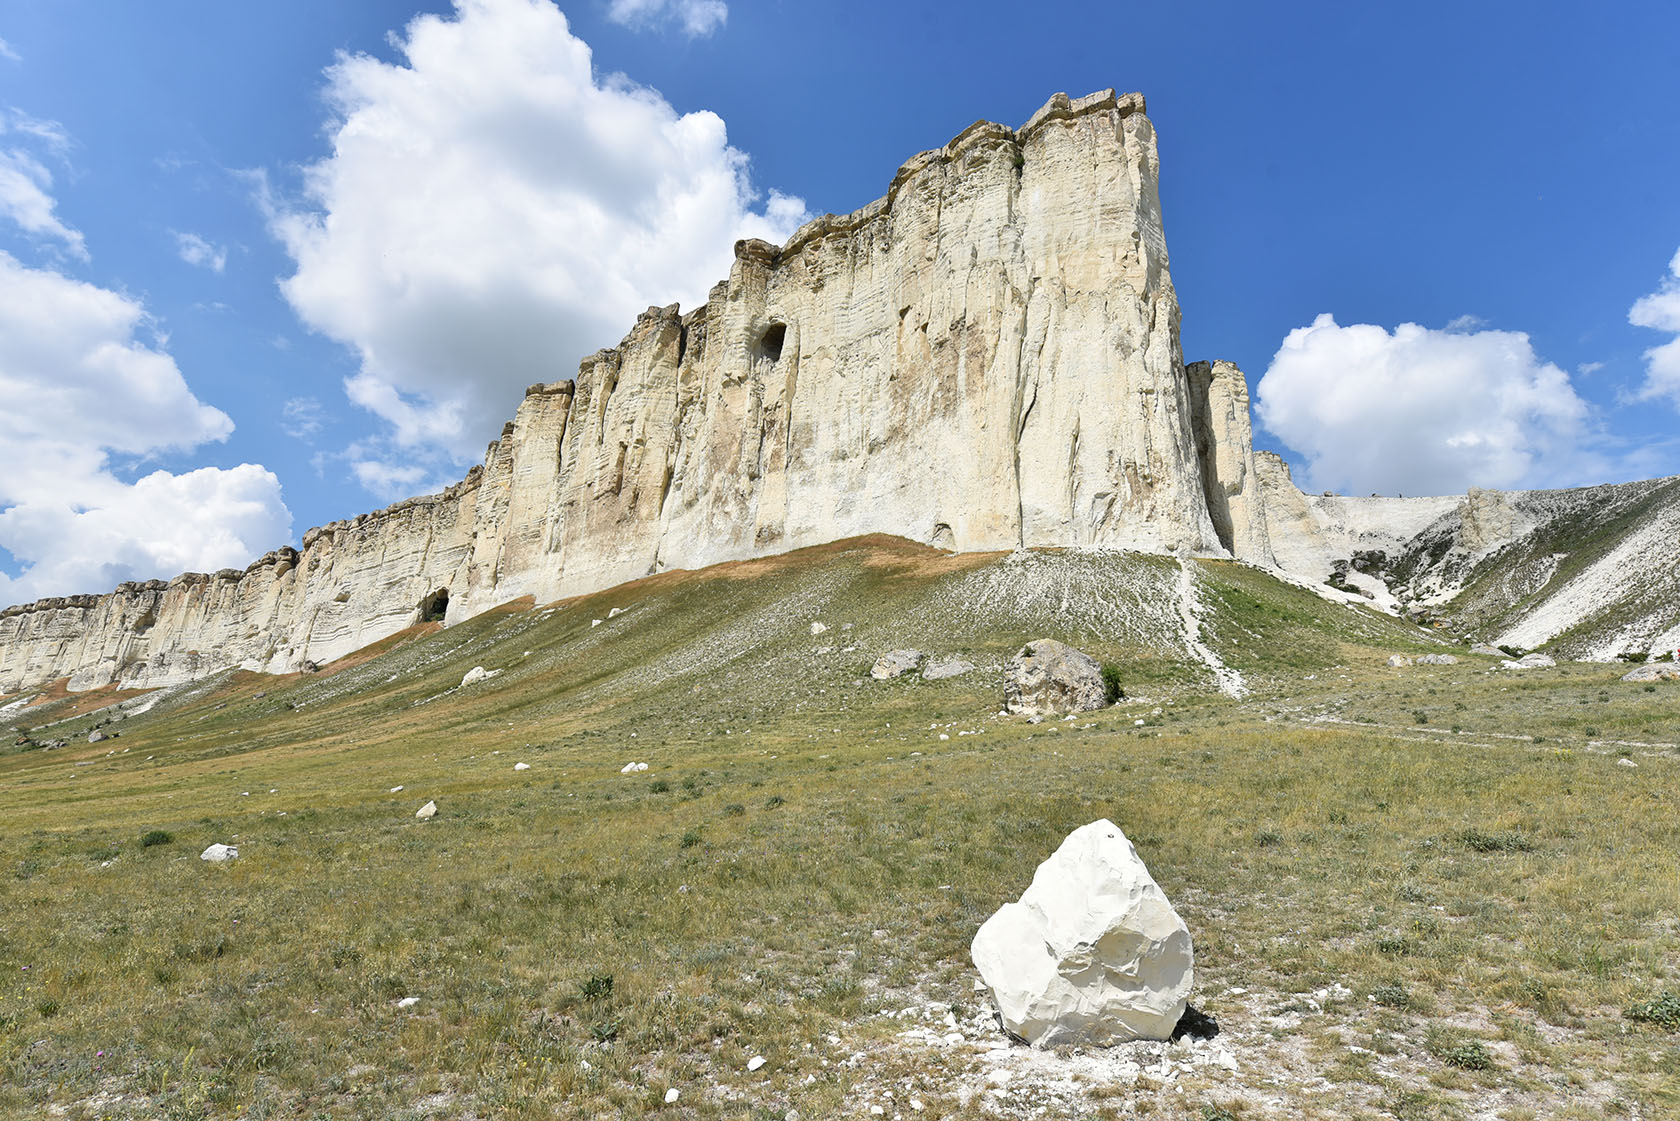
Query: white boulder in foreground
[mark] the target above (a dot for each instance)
(426, 812)
(1093, 953)
(220, 854)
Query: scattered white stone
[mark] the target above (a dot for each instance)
(594, 622)
(1093, 953)
(1138, 723)
(672, 1095)
(876, 1111)
(632, 768)
(426, 812)
(1530, 661)
(1399, 660)
(916, 1104)
(478, 674)
(755, 1062)
(219, 853)
(943, 736)
(615, 612)
(818, 628)
(1626, 763)
(1437, 660)
(396, 790)
(408, 1002)
(522, 766)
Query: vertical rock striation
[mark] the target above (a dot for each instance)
(986, 358)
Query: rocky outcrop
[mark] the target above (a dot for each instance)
(987, 357)
(1092, 953)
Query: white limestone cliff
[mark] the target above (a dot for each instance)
(986, 358)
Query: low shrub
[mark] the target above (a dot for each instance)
(1391, 996)
(1507, 841)
(154, 837)
(597, 986)
(1111, 682)
(1662, 1010)
(1465, 1054)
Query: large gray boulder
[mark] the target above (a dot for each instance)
(1093, 953)
(1437, 660)
(1051, 678)
(1664, 671)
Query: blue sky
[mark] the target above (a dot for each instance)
(267, 266)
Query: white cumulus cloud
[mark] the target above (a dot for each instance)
(492, 210)
(80, 384)
(26, 183)
(696, 18)
(1421, 411)
(195, 250)
(1661, 311)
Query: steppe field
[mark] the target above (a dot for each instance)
(1415, 892)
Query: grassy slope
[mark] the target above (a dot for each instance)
(807, 851)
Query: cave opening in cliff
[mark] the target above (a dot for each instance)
(770, 343)
(435, 606)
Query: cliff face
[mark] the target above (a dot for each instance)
(986, 358)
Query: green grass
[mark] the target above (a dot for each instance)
(806, 852)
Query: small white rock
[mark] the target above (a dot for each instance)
(594, 622)
(396, 790)
(755, 1062)
(876, 1111)
(916, 1104)
(633, 768)
(672, 1095)
(219, 854)
(522, 766)
(408, 1002)
(426, 812)
(1627, 763)
(818, 628)
(476, 675)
